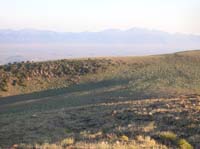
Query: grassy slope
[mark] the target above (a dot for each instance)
(88, 105)
(151, 76)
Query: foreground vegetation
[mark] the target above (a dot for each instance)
(132, 102)
(158, 123)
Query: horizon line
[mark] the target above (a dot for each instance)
(100, 30)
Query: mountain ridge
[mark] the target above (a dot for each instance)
(132, 35)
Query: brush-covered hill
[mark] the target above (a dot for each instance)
(124, 102)
(149, 76)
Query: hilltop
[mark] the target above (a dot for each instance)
(147, 76)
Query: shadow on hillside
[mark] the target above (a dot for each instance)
(77, 95)
(60, 91)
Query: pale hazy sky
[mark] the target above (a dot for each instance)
(94, 15)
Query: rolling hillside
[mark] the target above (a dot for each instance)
(148, 76)
(121, 102)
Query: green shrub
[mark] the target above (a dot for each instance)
(171, 137)
(168, 136)
(183, 144)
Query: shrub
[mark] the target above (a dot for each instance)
(67, 142)
(183, 144)
(124, 138)
(4, 86)
(168, 136)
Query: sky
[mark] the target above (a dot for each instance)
(94, 15)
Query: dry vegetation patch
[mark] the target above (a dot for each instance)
(161, 123)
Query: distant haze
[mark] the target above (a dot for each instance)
(95, 15)
(53, 29)
(38, 45)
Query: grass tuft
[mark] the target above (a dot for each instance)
(184, 144)
(168, 136)
(68, 141)
(124, 138)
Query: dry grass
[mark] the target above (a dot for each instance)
(122, 143)
(123, 122)
(168, 136)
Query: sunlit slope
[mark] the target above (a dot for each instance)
(162, 75)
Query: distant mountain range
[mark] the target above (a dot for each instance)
(40, 45)
(111, 36)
